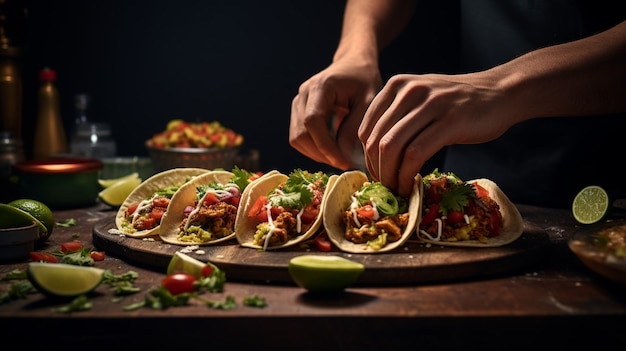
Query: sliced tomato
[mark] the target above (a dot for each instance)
(145, 223)
(179, 283)
(157, 213)
(258, 207)
(210, 199)
(161, 201)
(132, 208)
(322, 242)
(366, 211)
(71, 246)
(431, 215)
(309, 214)
(40, 256)
(97, 255)
(481, 191)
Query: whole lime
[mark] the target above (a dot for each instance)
(40, 211)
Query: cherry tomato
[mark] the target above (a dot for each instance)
(97, 255)
(322, 242)
(40, 256)
(145, 223)
(454, 217)
(179, 283)
(207, 271)
(258, 209)
(71, 246)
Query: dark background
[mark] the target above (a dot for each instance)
(238, 62)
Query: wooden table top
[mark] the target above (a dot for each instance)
(553, 300)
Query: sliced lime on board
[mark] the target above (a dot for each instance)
(105, 183)
(324, 274)
(590, 205)
(64, 280)
(115, 194)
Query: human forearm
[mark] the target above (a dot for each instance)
(583, 77)
(369, 26)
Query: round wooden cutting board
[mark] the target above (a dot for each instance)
(411, 263)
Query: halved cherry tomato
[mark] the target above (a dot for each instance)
(71, 246)
(40, 256)
(366, 211)
(454, 217)
(206, 271)
(97, 255)
(322, 242)
(145, 223)
(179, 283)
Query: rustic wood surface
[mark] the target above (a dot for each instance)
(412, 263)
(552, 300)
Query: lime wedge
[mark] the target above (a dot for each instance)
(115, 194)
(64, 280)
(11, 217)
(590, 205)
(324, 274)
(105, 183)
(182, 263)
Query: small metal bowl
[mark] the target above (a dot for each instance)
(207, 158)
(60, 183)
(16, 243)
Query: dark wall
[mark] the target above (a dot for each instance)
(145, 62)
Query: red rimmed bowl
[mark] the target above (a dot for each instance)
(61, 182)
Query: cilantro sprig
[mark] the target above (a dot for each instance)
(297, 191)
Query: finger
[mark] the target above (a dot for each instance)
(299, 137)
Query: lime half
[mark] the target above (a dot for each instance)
(590, 205)
(324, 274)
(64, 280)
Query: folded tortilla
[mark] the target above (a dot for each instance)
(185, 196)
(172, 177)
(339, 201)
(512, 221)
(245, 226)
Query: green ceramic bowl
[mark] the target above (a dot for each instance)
(60, 183)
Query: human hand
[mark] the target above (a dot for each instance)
(414, 116)
(326, 113)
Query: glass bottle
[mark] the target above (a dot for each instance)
(50, 138)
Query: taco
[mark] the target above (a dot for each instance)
(362, 216)
(203, 211)
(282, 210)
(141, 213)
(466, 213)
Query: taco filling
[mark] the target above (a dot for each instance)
(290, 209)
(214, 210)
(147, 213)
(456, 211)
(376, 216)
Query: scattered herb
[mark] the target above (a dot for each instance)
(15, 274)
(161, 299)
(70, 222)
(81, 303)
(18, 290)
(255, 301)
(122, 284)
(227, 304)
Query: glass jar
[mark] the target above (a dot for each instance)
(93, 140)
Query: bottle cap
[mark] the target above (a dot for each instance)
(47, 75)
